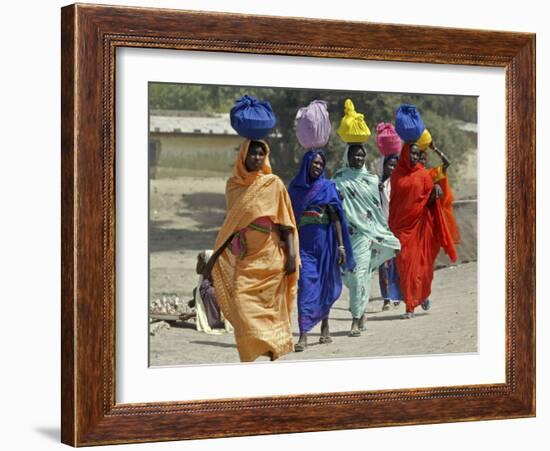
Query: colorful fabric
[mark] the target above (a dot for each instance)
(320, 283)
(424, 141)
(408, 123)
(372, 241)
(253, 290)
(313, 125)
(252, 118)
(353, 128)
(314, 217)
(238, 243)
(388, 278)
(209, 318)
(420, 227)
(387, 139)
(439, 176)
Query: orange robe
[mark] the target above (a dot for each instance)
(252, 289)
(420, 228)
(439, 176)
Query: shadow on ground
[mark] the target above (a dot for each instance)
(163, 239)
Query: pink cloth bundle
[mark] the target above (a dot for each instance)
(238, 243)
(387, 139)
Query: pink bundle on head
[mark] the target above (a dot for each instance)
(387, 139)
(313, 125)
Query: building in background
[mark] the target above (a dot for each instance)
(184, 142)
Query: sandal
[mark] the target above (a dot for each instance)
(386, 305)
(354, 333)
(426, 305)
(408, 315)
(325, 339)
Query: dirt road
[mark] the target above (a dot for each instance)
(449, 326)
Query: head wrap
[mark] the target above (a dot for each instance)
(424, 141)
(302, 188)
(302, 179)
(242, 175)
(345, 160)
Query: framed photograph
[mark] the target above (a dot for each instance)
(152, 352)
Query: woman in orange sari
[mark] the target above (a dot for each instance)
(254, 264)
(416, 219)
(439, 176)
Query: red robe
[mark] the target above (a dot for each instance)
(420, 228)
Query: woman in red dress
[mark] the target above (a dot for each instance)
(416, 219)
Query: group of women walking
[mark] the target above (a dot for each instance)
(277, 244)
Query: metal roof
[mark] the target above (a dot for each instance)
(209, 124)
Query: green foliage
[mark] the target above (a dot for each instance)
(441, 114)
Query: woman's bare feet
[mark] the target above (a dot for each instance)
(355, 332)
(302, 343)
(325, 332)
(363, 322)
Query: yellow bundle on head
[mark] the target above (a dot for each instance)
(353, 128)
(425, 140)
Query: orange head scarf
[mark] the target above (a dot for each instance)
(241, 175)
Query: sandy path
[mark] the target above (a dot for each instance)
(450, 326)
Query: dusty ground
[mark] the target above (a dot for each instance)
(186, 213)
(449, 326)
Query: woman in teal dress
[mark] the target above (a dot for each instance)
(372, 241)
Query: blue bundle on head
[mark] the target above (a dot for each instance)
(408, 123)
(252, 118)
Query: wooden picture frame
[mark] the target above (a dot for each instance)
(90, 36)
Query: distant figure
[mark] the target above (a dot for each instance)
(371, 239)
(254, 264)
(325, 245)
(416, 218)
(388, 275)
(209, 318)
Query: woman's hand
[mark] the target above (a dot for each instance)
(436, 193)
(290, 265)
(290, 252)
(341, 255)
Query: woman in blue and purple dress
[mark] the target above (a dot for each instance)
(325, 245)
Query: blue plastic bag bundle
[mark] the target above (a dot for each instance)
(252, 118)
(408, 123)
